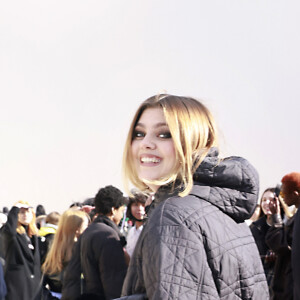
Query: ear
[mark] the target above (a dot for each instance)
(113, 211)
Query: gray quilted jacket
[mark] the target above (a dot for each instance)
(197, 247)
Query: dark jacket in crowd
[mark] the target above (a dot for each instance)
(102, 262)
(2, 284)
(296, 255)
(198, 247)
(259, 231)
(279, 238)
(22, 264)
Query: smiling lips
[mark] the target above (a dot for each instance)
(150, 159)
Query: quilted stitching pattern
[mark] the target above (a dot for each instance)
(196, 247)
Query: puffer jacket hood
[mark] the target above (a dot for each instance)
(231, 184)
(234, 179)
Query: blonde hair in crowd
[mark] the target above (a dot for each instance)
(31, 229)
(64, 239)
(193, 131)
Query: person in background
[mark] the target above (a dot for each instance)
(259, 230)
(71, 225)
(195, 243)
(3, 289)
(99, 253)
(136, 213)
(47, 232)
(293, 192)
(40, 210)
(5, 210)
(280, 238)
(21, 253)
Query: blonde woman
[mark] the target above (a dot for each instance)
(195, 244)
(71, 225)
(21, 253)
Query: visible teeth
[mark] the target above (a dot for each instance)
(150, 160)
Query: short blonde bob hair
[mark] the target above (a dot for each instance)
(193, 131)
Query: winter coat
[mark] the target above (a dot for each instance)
(197, 247)
(279, 238)
(259, 230)
(296, 255)
(22, 264)
(100, 253)
(2, 284)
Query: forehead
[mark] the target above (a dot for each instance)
(268, 194)
(152, 117)
(136, 203)
(23, 210)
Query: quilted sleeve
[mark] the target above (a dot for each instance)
(174, 261)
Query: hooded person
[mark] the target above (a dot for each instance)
(195, 243)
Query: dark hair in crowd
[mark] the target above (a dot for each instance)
(137, 198)
(76, 204)
(40, 210)
(89, 201)
(107, 198)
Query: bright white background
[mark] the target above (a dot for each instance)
(72, 74)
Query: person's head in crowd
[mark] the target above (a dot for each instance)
(53, 218)
(110, 202)
(76, 205)
(40, 210)
(89, 201)
(71, 225)
(290, 189)
(26, 219)
(266, 197)
(5, 210)
(136, 207)
(156, 138)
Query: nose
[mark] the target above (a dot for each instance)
(148, 143)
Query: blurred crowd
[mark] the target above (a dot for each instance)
(44, 244)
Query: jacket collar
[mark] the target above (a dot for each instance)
(107, 221)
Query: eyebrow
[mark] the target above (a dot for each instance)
(161, 124)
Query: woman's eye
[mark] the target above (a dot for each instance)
(138, 134)
(165, 135)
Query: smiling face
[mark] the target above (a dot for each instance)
(267, 197)
(152, 147)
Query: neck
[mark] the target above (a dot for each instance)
(138, 224)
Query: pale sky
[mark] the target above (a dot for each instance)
(72, 74)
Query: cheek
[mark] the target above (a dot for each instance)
(134, 149)
(170, 151)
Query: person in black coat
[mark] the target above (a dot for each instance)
(280, 239)
(2, 284)
(21, 253)
(259, 229)
(295, 193)
(99, 253)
